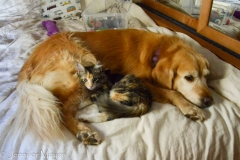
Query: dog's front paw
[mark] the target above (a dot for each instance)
(193, 113)
(89, 138)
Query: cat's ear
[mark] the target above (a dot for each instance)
(98, 65)
(80, 68)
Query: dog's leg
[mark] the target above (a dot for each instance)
(187, 108)
(170, 96)
(82, 132)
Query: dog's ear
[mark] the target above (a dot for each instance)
(163, 74)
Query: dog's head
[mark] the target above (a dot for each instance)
(182, 69)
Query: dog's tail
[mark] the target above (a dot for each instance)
(38, 111)
(117, 110)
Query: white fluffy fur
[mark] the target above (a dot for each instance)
(39, 112)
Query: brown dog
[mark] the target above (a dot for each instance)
(173, 71)
(50, 91)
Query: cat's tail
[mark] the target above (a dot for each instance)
(38, 112)
(117, 110)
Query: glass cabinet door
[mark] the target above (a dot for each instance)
(200, 20)
(188, 7)
(225, 17)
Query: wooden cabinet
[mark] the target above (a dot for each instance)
(223, 46)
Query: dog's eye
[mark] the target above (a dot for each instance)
(189, 78)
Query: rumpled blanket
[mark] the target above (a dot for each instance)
(162, 133)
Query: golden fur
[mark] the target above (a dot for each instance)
(50, 73)
(132, 52)
(50, 90)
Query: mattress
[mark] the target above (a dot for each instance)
(162, 133)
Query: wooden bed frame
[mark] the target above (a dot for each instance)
(225, 47)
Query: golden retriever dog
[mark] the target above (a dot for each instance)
(174, 72)
(50, 92)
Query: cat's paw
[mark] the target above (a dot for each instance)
(89, 138)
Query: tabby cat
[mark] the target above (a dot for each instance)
(126, 98)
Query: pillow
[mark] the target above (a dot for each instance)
(61, 9)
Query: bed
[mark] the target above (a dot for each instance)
(162, 133)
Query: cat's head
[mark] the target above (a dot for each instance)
(90, 76)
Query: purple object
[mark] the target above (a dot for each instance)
(237, 14)
(51, 27)
(155, 57)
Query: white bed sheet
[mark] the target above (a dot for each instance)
(162, 133)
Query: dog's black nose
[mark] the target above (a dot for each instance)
(207, 101)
